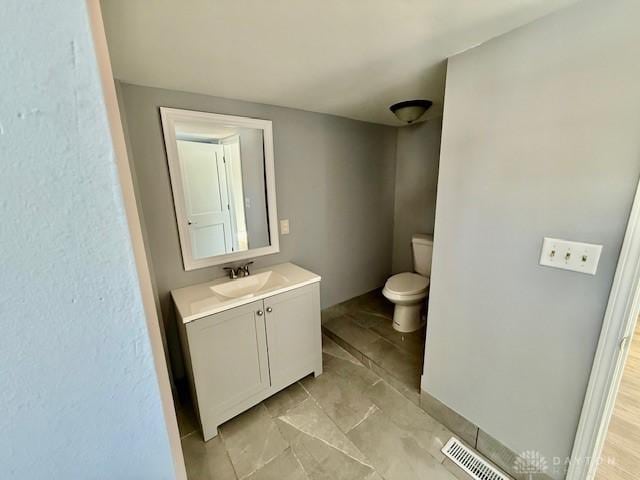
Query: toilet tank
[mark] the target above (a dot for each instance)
(422, 251)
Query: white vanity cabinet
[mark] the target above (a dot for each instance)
(293, 335)
(229, 363)
(241, 355)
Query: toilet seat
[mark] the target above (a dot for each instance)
(406, 284)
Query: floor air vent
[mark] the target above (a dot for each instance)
(471, 462)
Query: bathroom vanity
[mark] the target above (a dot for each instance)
(246, 339)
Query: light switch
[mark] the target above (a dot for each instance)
(284, 227)
(568, 255)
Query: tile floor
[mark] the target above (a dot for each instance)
(363, 326)
(347, 424)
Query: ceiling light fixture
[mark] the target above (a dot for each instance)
(410, 110)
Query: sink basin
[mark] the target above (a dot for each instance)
(249, 286)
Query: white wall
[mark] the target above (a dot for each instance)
(78, 391)
(417, 156)
(541, 137)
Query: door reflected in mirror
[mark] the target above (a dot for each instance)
(223, 187)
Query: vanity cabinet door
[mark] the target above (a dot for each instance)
(293, 334)
(229, 360)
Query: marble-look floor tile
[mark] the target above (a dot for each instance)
(347, 329)
(456, 470)
(409, 386)
(365, 330)
(332, 312)
(369, 320)
(354, 352)
(340, 392)
(406, 368)
(286, 399)
(354, 303)
(374, 476)
(308, 418)
(284, 467)
(394, 454)
(252, 440)
(376, 302)
(409, 343)
(373, 301)
(383, 307)
(409, 418)
(411, 391)
(206, 461)
(321, 448)
(187, 422)
(329, 347)
(353, 371)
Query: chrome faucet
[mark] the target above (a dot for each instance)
(237, 272)
(245, 269)
(232, 272)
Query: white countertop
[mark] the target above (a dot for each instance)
(197, 301)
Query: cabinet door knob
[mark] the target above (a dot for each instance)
(269, 309)
(259, 313)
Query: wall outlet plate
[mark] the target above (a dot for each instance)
(284, 227)
(567, 255)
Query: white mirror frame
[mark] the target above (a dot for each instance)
(172, 115)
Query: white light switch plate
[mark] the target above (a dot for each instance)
(568, 255)
(284, 227)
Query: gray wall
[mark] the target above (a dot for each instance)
(253, 186)
(78, 390)
(334, 182)
(541, 137)
(417, 155)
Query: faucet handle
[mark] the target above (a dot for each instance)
(245, 267)
(233, 273)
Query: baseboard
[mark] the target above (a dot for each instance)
(502, 456)
(463, 428)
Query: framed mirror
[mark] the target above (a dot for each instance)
(223, 182)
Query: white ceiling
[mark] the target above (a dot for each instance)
(351, 58)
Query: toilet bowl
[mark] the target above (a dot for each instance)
(408, 290)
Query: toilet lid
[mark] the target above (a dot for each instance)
(407, 284)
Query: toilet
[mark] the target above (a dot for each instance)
(408, 290)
